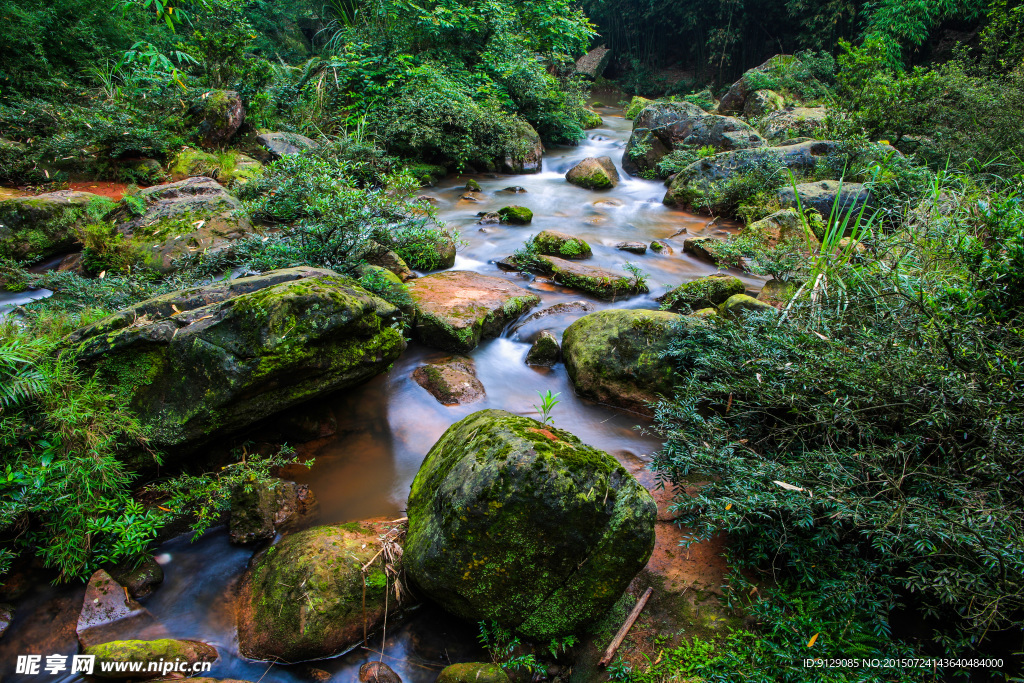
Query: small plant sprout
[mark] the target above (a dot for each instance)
(548, 401)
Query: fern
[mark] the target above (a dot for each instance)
(20, 379)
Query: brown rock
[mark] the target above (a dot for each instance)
(452, 380)
(108, 612)
(378, 672)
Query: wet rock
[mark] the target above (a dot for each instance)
(469, 197)
(591, 119)
(140, 580)
(488, 218)
(302, 598)
(185, 217)
(378, 672)
(515, 215)
(277, 145)
(777, 293)
(520, 522)
(594, 173)
(427, 199)
(213, 359)
(33, 228)
(615, 356)
(558, 309)
(545, 350)
(456, 309)
(762, 102)
(268, 508)
(593, 64)
(601, 282)
(515, 189)
(662, 248)
(379, 255)
(785, 227)
(739, 304)
(72, 263)
(109, 612)
(452, 381)
(823, 195)
(636, 105)
(217, 115)
(6, 617)
(736, 98)
(554, 243)
(703, 292)
(632, 247)
(699, 247)
(472, 185)
(473, 672)
(530, 161)
(318, 674)
(185, 652)
(793, 122)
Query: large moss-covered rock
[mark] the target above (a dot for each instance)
(824, 195)
(520, 522)
(185, 217)
(702, 293)
(615, 356)
(554, 243)
(526, 155)
(183, 652)
(636, 105)
(267, 507)
(46, 224)
(793, 122)
(217, 115)
(213, 359)
(738, 304)
(544, 351)
(752, 81)
(456, 309)
(303, 598)
(761, 103)
(663, 127)
(276, 145)
(594, 173)
(473, 672)
(601, 282)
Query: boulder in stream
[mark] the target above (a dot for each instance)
(601, 282)
(703, 292)
(615, 356)
(268, 507)
(108, 613)
(164, 650)
(520, 522)
(554, 243)
(210, 360)
(141, 579)
(527, 157)
(515, 215)
(452, 381)
(545, 350)
(639, 248)
(457, 308)
(594, 173)
(303, 598)
(378, 672)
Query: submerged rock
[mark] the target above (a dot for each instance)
(210, 360)
(594, 173)
(267, 508)
(184, 652)
(303, 598)
(520, 522)
(545, 351)
(702, 292)
(473, 672)
(35, 227)
(456, 309)
(452, 380)
(615, 356)
(554, 243)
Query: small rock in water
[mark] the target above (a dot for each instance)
(469, 197)
(472, 185)
(108, 612)
(452, 380)
(515, 215)
(378, 672)
(426, 199)
(488, 218)
(634, 247)
(515, 189)
(594, 173)
(318, 675)
(661, 248)
(545, 351)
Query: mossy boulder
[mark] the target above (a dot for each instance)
(751, 81)
(456, 309)
(217, 115)
(228, 168)
(554, 243)
(793, 122)
(273, 146)
(140, 579)
(188, 652)
(616, 356)
(591, 119)
(194, 215)
(302, 599)
(379, 255)
(635, 106)
(473, 672)
(517, 521)
(594, 173)
(526, 153)
(785, 227)
(33, 228)
(593, 64)
(452, 381)
(738, 304)
(472, 185)
(702, 248)
(601, 282)
(515, 215)
(545, 350)
(266, 508)
(761, 103)
(777, 292)
(702, 293)
(210, 360)
(430, 250)
(824, 195)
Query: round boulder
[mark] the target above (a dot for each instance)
(594, 173)
(519, 522)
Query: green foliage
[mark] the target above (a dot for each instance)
(640, 278)
(548, 401)
(503, 646)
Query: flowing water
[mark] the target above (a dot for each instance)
(385, 427)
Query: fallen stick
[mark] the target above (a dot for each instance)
(624, 629)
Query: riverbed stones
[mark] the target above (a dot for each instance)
(616, 356)
(277, 145)
(457, 308)
(545, 350)
(601, 282)
(210, 360)
(109, 612)
(184, 652)
(554, 243)
(632, 247)
(452, 381)
(515, 215)
(268, 507)
(33, 228)
(520, 522)
(594, 173)
(378, 672)
(473, 672)
(302, 599)
(703, 292)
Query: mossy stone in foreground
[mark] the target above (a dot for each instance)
(302, 599)
(741, 303)
(616, 356)
(702, 292)
(519, 522)
(145, 651)
(473, 672)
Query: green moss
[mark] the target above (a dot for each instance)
(515, 215)
(427, 174)
(702, 293)
(636, 105)
(472, 185)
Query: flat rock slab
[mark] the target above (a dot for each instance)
(601, 282)
(457, 308)
(109, 613)
(452, 380)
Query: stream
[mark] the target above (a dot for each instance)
(386, 426)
